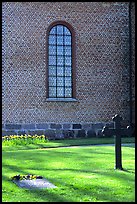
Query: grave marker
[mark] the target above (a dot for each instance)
(35, 183)
(117, 132)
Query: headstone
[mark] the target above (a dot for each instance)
(117, 132)
(34, 183)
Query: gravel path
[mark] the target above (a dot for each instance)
(76, 146)
(126, 144)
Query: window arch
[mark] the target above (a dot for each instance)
(60, 61)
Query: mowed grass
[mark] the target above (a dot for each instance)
(67, 142)
(80, 173)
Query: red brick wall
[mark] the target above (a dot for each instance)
(102, 62)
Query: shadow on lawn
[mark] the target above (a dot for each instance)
(14, 169)
(129, 170)
(54, 195)
(42, 194)
(49, 195)
(89, 193)
(94, 191)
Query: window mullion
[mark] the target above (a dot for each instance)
(56, 59)
(64, 61)
(71, 70)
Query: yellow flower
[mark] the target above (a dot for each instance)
(15, 136)
(25, 137)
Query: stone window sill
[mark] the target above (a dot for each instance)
(61, 99)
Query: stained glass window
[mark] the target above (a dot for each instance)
(60, 62)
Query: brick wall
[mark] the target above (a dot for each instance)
(133, 58)
(102, 63)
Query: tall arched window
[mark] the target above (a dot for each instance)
(60, 62)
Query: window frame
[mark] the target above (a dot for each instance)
(63, 23)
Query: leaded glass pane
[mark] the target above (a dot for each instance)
(67, 40)
(60, 91)
(53, 30)
(68, 92)
(60, 30)
(68, 61)
(52, 39)
(52, 60)
(67, 50)
(52, 81)
(68, 71)
(52, 70)
(52, 50)
(67, 81)
(60, 81)
(59, 50)
(60, 60)
(59, 40)
(60, 71)
(67, 32)
(52, 91)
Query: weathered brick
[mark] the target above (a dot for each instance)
(99, 133)
(91, 133)
(68, 133)
(110, 125)
(42, 126)
(101, 65)
(28, 126)
(21, 132)
(7, 133)
(77, 126)
(55, 126)
(66, 126)
(97, 126)
(81, 133)
(86, 126)
(13, 126)
(50, 134)
(59, 134)
(36, 132)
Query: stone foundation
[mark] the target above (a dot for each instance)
(56, 131)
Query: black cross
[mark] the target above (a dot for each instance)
(117, 132)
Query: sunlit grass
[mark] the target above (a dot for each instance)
(30, 143)
(81, 174)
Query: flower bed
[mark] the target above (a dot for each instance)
(23, 139)
(14, 137)
(26, 177)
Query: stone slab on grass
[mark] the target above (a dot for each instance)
(34, 183)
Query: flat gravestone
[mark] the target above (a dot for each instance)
(34, 183)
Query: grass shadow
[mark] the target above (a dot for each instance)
(79, 161)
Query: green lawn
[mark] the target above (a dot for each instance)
(70, 142)
(80, 173)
